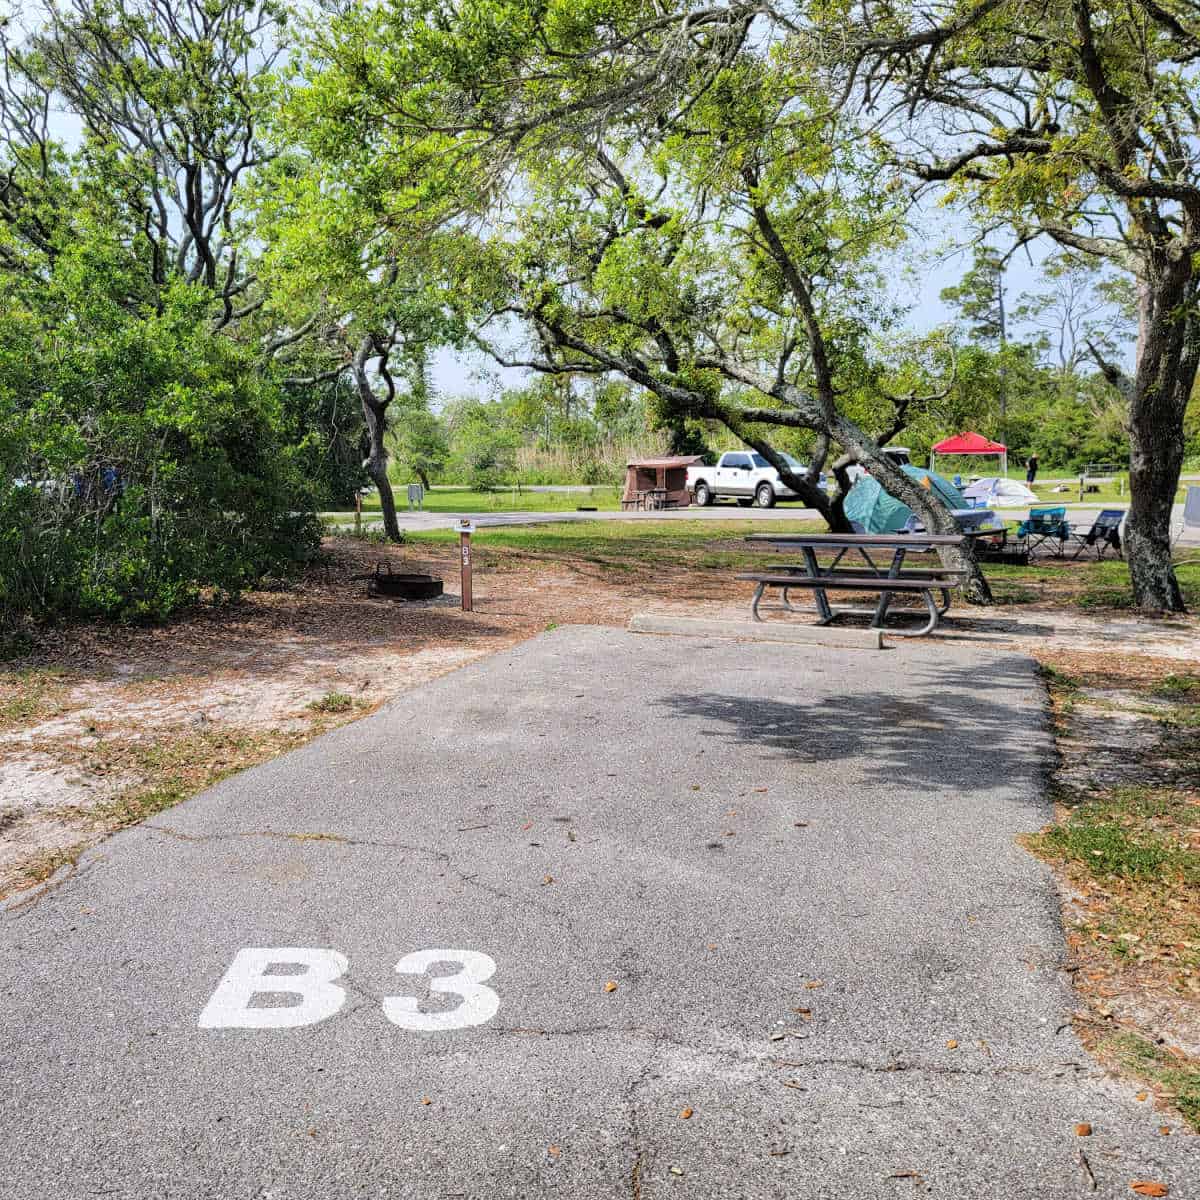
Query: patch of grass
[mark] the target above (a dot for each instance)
(1010, 593)
(1173, 687)
(619, 548)
(1111, 849)
(1087, 584)
(1130, 853)
(333, 702)
(30, 696)
(373, 535)
(1104, 597)
(1058, 679)
(622, 547)
(133, 806)
(445, 499)
(1182, 716)
(1063, 689)
(177, 764)
(1124, 835)
(37, 868)
(1174, 1079)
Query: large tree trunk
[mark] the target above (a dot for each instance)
(374, 410)
(376, 463)
(935, 516)
(1168, 353)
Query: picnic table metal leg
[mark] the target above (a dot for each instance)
(758, 595)
(885, 598)
(810, 559)
(929, 625)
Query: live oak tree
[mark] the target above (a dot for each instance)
(1074, 120)
(370, 316)
(142, 444)
(657, 197)
(165, 99)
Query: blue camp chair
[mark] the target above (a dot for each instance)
(1045, 525)
(1103, 534)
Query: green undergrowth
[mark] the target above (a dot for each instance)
(1174, 1081)
(1130, 833)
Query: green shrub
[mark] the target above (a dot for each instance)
(142, 465)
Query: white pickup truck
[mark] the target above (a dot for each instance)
(743, 476)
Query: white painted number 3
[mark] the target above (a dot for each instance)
(479, 1003)
(259, 973)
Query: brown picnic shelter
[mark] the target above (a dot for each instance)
(658, 482)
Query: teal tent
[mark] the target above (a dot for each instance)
(871, 507)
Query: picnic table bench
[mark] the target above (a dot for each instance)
(883, 580)
(649, 498)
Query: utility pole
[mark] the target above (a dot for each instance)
(1003, 360)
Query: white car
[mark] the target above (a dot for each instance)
(743, 476)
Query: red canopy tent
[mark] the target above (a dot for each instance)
(971, 443)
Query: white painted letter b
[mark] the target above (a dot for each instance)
(247, 977)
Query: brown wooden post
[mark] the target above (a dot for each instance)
(465, 529)
(358, 514)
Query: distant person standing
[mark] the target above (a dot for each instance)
(1031, 470)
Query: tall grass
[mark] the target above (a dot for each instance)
(602, 462)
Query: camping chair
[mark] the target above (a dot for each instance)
(1104, 533)
(1045, 525)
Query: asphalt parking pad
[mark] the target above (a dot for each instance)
(796, 865)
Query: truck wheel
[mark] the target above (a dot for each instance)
(765, 496)
(703, 496)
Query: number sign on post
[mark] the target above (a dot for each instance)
(466, 527)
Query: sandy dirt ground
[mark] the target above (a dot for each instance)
(104, 713)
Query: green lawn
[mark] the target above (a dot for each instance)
(450, 499)
(1116, 493)
(620, 548)
(455, 500)
(626, 545)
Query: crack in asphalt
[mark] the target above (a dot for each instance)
(438, 856)
(634, 1121)
(441, 857)
(894, 1065)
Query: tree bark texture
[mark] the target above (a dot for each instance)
(935, 516)
(1167, 358)
(374, 411)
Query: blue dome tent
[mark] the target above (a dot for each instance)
(872, 510)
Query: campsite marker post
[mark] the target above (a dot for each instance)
(465, 528)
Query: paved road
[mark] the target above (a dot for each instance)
(417, 522)
(710, 826)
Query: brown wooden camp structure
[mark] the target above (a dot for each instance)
(652, 483)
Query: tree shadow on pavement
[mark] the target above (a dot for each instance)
(947, 726)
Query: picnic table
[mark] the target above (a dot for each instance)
(649, 498)
(882, 578)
